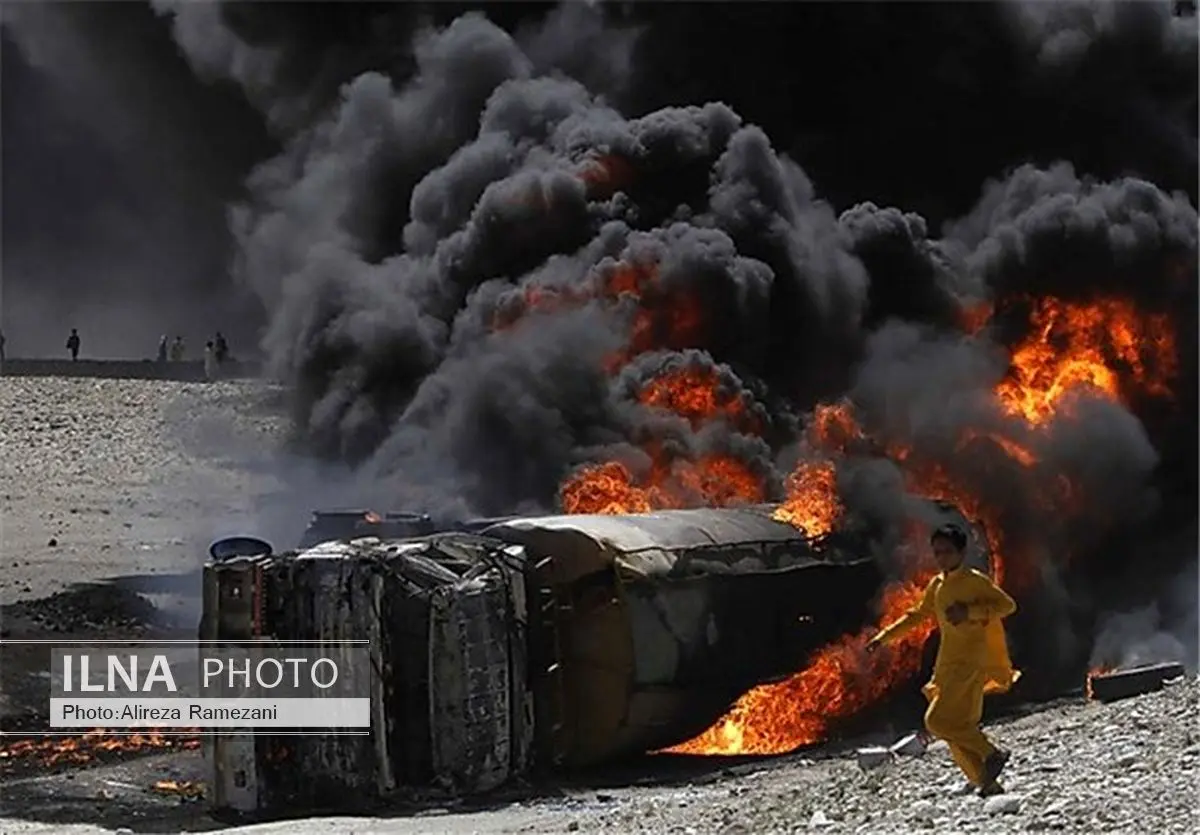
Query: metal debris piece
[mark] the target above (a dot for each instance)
(1121, 684)
(872, 757)
(912, 745)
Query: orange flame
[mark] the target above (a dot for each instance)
(974, 317)
(695, 394)
(1101, 670)
(833, 428)
(710, 481)
(1074, 348)
(184, 788)
(812, 503)
(662, 318)
(1107, 348)
(714, 480)
(1014, 450)
(839, 682)
(84, 749)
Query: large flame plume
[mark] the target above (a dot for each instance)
(1106, 348)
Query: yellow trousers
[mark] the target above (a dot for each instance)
(955, 710)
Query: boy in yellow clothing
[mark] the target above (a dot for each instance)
(972, 660)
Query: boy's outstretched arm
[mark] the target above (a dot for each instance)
(907, 621)
(991, 601)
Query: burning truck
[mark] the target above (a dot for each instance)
(508, 647)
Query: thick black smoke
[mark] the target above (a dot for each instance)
(441, 244)
(117, 169)
(970, 89)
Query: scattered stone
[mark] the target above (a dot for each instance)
(872, 757)
(1056, 807)
(923, 810)
(1002, 804)
(912, 745)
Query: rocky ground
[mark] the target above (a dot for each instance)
(1127, 767)
(1078, 767)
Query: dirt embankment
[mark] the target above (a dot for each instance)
(186, 371)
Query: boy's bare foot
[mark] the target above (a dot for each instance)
(994, 765)
(991, 789)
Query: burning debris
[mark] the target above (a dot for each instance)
(1031, 433)
(92, 747)
(578, 640)
(536, 302)
(839, 682)
(1074, 352)
(545, 303)
(1096, 672)
(184, 789)
(1107, 684)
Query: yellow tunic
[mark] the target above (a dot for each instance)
(978, 643)
(972, 661)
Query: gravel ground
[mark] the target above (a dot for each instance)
(103, 478)
(1126, 767)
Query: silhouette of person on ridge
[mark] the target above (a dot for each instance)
(73, 344)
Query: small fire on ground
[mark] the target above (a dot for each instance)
(1095, 672)
(187, 789)
(90, 747)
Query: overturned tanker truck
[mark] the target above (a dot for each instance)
(507, 647)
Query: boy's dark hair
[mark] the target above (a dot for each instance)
(953, 534)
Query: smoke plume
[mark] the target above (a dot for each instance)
(490, 242)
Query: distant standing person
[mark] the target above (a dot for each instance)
(177, 349)
(210, 361)
(73, 344)
(221, 348)
(162, 348)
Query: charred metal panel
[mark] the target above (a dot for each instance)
(476, 697)
(233, 596)
(469, 688)
(735, 630)
(445, 618)
(333, 594)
